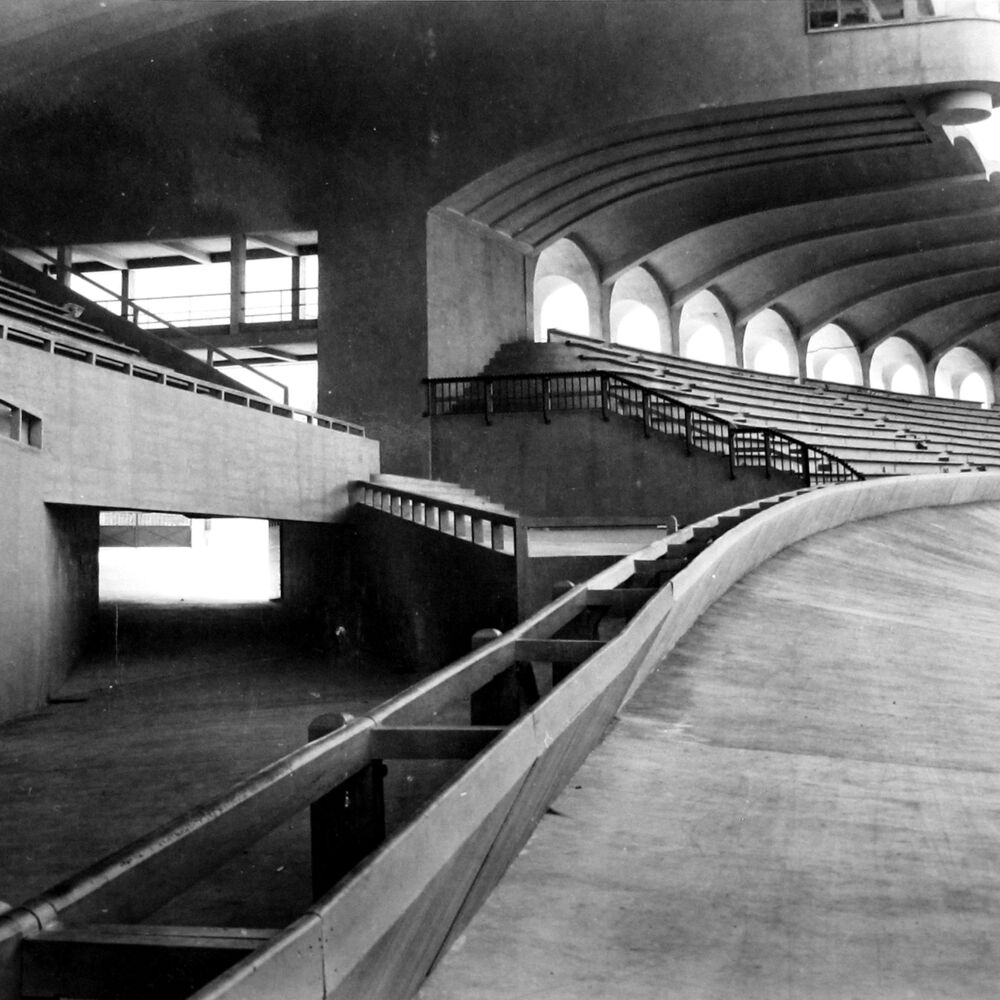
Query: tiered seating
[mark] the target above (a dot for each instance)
(877, 432)
(22, 310)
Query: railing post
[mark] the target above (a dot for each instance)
(488, 401)
(347, 823)
(731, 434)
(767, 454)
(645, 413)
(546, 401)
(430, 398)
(687, 431)
(604, 397)
(804, 458)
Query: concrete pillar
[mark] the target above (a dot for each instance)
(930, 367)
(372, 326)
(801, 351)
(866, 366)
(674, 347)
(237, 282)
(64, 261)
(604, 315)
(739, 338)
(126, 292)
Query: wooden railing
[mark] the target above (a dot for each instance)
(65, 348)
(609, 392)
(479, 525)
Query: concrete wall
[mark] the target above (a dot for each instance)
(50, 583)
(111, 440)
(478, 294)
(580, 466)
(422, 594)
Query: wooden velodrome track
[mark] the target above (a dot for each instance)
(810, 826)
(803, 802)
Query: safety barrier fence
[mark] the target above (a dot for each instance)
(608, 392)
(271, 305)
(537, 700)
(25, 335)
(477, 524)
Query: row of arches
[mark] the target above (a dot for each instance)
(568, 296)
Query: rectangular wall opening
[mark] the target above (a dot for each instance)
(168, 558)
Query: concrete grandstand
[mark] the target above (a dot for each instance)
(656, 355)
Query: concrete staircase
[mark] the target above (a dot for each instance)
(691, 541)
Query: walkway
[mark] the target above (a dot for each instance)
(804, 802)
(191, 699)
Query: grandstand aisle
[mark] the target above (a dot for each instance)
(803, 802)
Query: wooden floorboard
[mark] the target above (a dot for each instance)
(802, 802)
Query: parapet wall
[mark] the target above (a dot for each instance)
(107, 440)
(111, 440)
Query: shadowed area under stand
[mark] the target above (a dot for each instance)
(804, 800)
(176, 704)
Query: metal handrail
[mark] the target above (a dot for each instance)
(135, 307)
(611, 392)
(198, 299)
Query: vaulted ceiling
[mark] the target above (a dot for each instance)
(848, 208)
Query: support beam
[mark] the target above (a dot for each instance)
(563, 650)
(110, 961)
(192, 253)
(431, 742)
(273, 243)
(622, 602)
(102, 256)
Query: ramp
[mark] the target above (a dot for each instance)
(802, 802)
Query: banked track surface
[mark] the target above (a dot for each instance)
(802, 802)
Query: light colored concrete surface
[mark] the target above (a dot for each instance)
(803, 802)
(610, 541)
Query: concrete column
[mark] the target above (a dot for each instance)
(739, 337)
(64, 261)
(237, 282)
(930, 367)
(372, 329)
(604, 316)
(296, 290)
(866, 367)
(126, 292)
(801, 352)
(674, 346)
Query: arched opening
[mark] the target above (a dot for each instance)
(563, 307)
(962, 374)
(769, 346)
(639, 314)
(706, 344)
(898, 367)
(832, 357)
(705, 331)
(567, 294)
(635, 325)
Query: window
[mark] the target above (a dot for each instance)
(20, 426)
(824, 14)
